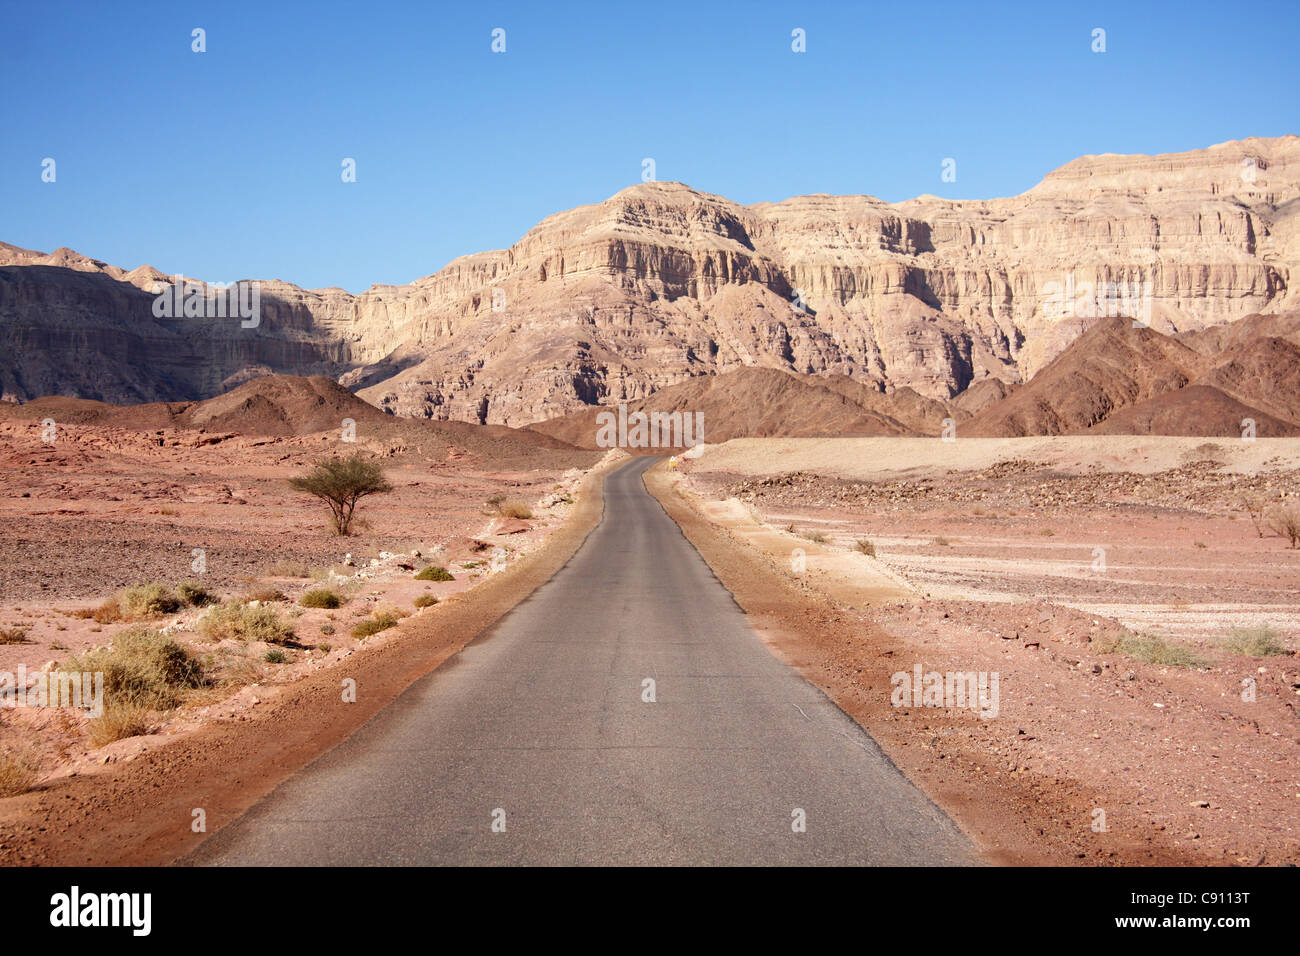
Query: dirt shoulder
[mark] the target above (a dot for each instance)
(1093, 758)
(142, 811)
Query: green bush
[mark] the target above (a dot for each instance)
(374, 625)
(434, 573)
(426, 600)
(321, 597)
(195, 594)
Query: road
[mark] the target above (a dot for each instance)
(537, 743)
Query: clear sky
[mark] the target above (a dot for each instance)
(227, 164)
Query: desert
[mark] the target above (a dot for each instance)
(671, 523)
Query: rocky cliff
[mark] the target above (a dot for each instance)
(660, 283)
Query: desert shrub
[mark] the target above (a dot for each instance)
(326, 646)
(321, 597)
(1254, 642)
(515, 509)
(819, 537)
(143, 667)
(110, 612)
(263, 594)
(1255, 505)
(14, 635)
(245, 623)
(195, 594)
(275, 656)
(941, 542)
(341, 483)
(863, 546)
(374, 625)
(1155, 650)
(120, 720)
(148, 600)
(237, 669)
(1285, 521)
(496, 501)
(327, 628)
(426, 600)
(435, 573)
(17, 774)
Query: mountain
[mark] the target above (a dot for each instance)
(662, 283)
(1117, 379)
(747, 403)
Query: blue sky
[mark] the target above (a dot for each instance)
(226, 164)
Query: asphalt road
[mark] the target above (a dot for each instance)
(540, 725)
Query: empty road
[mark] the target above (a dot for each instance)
(538, 744)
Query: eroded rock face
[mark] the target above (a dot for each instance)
(612, 301)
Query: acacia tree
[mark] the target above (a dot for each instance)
(341, 483)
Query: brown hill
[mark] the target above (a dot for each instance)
(1264, 373)
(748, 403)
(287, 405)
(1193, 410)
(270, 405)
(1110, 366)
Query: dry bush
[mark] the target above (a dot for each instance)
(148, 600)
(18, 773)
(121, 719)
(263, 594)
(14, 635)
(1254, 642)
(818, 537)
(237, 669)
(515, 509)
(195, 594)
(426, 600)
(863, 546)
(110, 612)
(1285, 521)
(1152, 650)
(245, 623)
(1255, 504)
(143, 667)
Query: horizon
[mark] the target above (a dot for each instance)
(565, 117)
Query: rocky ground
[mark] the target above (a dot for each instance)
(102, 509)
(1124, 604)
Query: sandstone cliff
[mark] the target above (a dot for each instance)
(661, 283)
